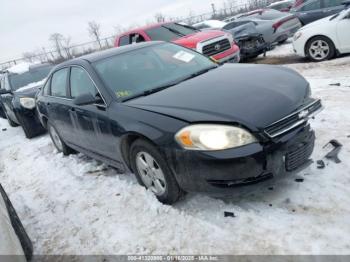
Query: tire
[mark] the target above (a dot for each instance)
(11, 123)
(59, 144)
(316, 49)
(170, 191)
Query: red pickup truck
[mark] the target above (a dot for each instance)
(216, 44)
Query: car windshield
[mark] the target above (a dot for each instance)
(32, 76)
(143, 70)
(169, 32)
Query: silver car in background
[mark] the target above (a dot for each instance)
(275, 26)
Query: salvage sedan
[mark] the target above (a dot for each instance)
(179, 121)
(17, 96)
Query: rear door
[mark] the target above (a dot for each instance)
(310, 11)
(91, 122)
(59, 104)
(331, 7)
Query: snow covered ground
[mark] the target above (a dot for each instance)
(75, 205)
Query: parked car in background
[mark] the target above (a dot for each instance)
(214, 43)
(179, 121)
(210, 24)
(282, 6)
(325, 38)
(15, 245)
(313, 10)
(276, 27)
(250, 41)
(2, 112)
(18, 96)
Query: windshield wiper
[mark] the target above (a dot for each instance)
(201, 72)
(174, 31)
(151, 91)
(162, 87)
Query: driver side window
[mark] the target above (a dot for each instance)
(80, 83)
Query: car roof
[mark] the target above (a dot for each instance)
(109, 53)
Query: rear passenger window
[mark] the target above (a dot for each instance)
(124, 40)
(58, 83)
(80, 83)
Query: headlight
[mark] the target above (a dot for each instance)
(297, 35)
(210, 137)
(27, 102)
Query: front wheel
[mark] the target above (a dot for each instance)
(320, 48)
(11, 123)
(152, 171)
(57, 141)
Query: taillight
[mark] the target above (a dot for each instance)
(275, 26)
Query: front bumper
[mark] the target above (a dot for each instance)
(299, 46)
(221, 171)
(30, 122)
(230, 56)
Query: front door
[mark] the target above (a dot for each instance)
(343, 27)
(91, 121)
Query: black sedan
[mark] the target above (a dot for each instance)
(180, 122)
(17, 97)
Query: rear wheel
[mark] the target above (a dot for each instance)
(57, 141)
(320, 48)
(152, 171)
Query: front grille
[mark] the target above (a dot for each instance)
(299, 155)
(216, 47)
(294, 120)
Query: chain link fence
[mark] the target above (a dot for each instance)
(72, 51)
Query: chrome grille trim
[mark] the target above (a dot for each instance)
(282, 126)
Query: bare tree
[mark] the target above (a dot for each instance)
(57, 38)
(160, 18)
(67, 46)
(94, 31)
(119, 29)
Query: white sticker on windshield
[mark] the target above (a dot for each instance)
(184, 56)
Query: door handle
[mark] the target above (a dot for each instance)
(47, 103)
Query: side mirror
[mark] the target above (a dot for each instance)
(87, 99)
(4, 92)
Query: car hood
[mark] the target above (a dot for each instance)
(191, 40)
(251, 95)
(27, 91)
(319, 23)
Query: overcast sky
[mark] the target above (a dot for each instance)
(25, 25)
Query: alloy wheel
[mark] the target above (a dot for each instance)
(56, 139)
(319, 50)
